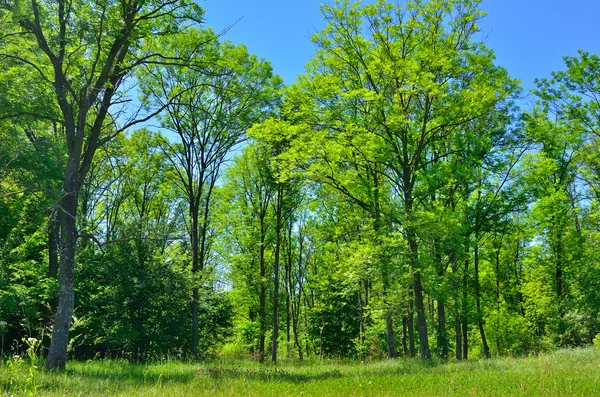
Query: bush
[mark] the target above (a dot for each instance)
(597, 342)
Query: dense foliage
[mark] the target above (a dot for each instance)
(394, 201)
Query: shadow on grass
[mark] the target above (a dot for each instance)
(265, 374)
(135, 374)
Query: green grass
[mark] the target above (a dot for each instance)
(563, 373)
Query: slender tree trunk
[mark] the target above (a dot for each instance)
(419, 301)
(558, 262)
(458, 336)
(410, 322)
(442, 337)
(457, 307)
(517, 277)
(57, 355)
(262, 295)
(486, 348)
(404, 336)
(421, 320)
(195, 290)
(278, 211)
(413, 248)
(389, 325)
(497, 268)
(465, 311)
(296, 301)
(288, 281)
(361, 318)
(441, 309)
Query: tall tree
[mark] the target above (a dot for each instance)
(210, 118)
(398, 81)
(84, 52)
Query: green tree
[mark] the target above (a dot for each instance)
(84, 52)
(398, 81)
(209, 118)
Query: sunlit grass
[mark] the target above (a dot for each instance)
(563, 373)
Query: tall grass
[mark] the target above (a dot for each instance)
(563, 373)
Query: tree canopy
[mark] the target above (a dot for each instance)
(163, 194)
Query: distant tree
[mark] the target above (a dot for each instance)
(210, 119)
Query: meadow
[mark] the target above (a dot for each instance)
(561, 373)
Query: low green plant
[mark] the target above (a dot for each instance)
(597, 342)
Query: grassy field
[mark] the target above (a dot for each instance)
(563, 373)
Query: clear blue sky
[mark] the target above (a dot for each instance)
(529, 37)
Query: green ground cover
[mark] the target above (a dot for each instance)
(562, 373)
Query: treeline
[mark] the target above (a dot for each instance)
(396, 200)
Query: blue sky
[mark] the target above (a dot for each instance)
(529, 37)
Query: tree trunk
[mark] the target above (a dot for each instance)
(57, 355)
(486, 348)
(278, 211)
(421, 320)
(442, 337)
(457, 307)
(361, 317)
(389, 325)
(195, 291)
(464, 314)
(458, 336)
(404, 336)
(262, 295)
(410, 322)
(442, 340)
(296, 298)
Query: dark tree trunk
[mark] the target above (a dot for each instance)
(262, 298)
(404, 336)
(558, 254)
(486, 348)
(458, 336)
(421, 320)
(410, 323)
(442, 337)
(464, 314)
(195, 290)
(457, 307)
(361, 316)
(278, 210)
(389, 325)
(57, 355)
(297, 297)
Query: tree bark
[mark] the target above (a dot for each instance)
(389, 325)
(421, 320)
(57, 355)
(457, 307)
(442, 337)
(195, 291)
(262, 298)
(404, 337)
(441, 308)
(410, 323)
(465, 311)
(486, 348)
(275, 335)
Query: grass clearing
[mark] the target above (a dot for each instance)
(562, 373)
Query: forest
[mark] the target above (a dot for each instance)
(164, 195)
